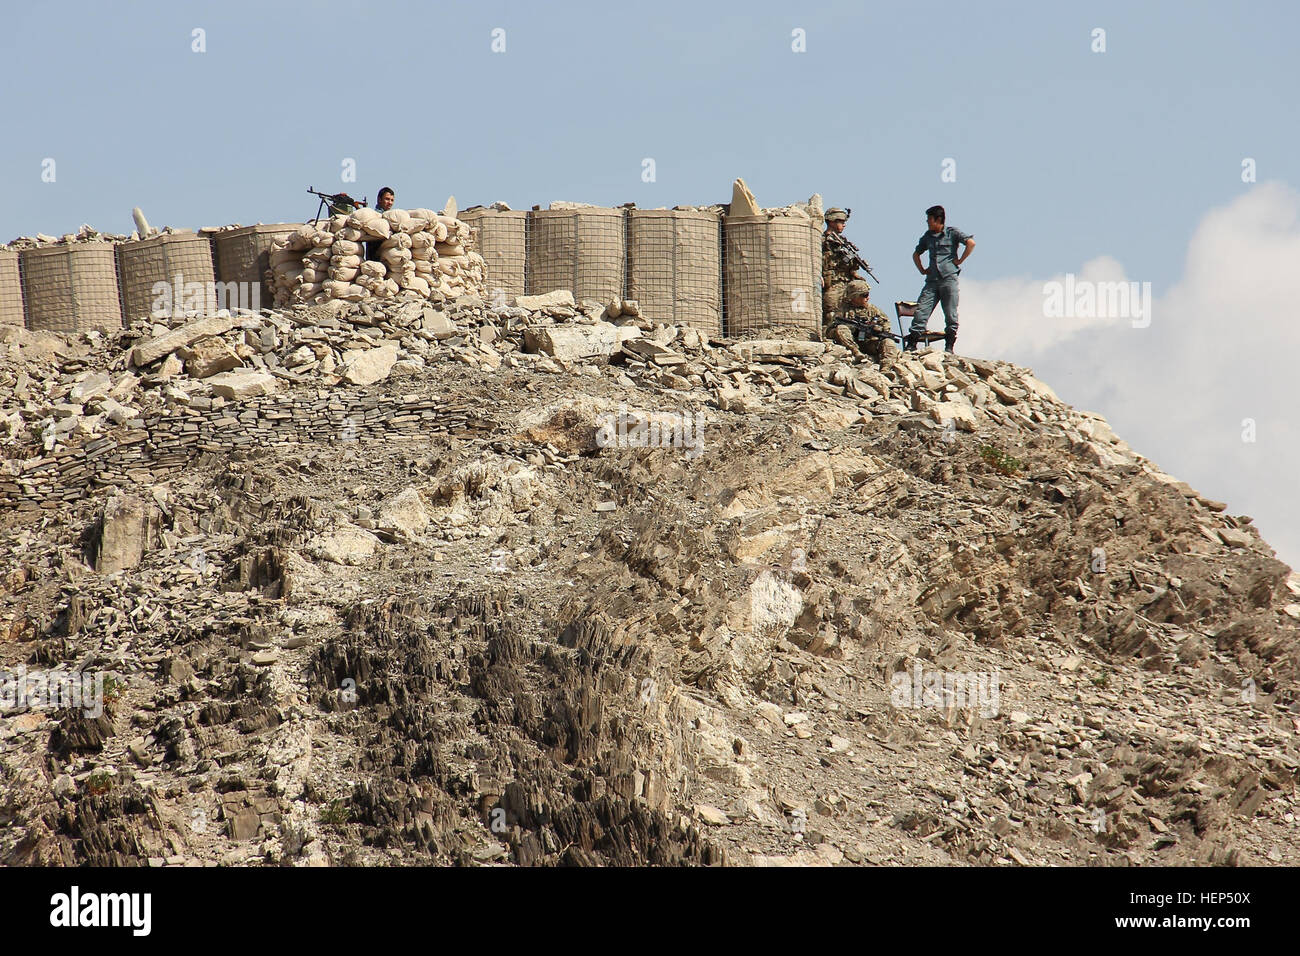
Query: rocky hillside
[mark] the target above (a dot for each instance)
(407, 586)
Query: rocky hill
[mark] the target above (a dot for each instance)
(550, 583)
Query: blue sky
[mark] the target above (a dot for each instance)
(1063, 155)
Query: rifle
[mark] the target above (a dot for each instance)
(862, 331)
(851, 252)
(339, 204)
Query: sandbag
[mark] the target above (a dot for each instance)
(419, 285)
(344, 290)
(371, 223)
(422, 245)
(301, 239)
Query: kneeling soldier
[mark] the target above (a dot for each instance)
(861, 327)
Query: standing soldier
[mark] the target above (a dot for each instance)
(838, 267)
(853, 324)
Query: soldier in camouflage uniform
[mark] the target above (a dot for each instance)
(857, 308)
(837, 270)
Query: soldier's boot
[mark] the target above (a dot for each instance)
(949, 340)
(909, 342)
(889, 354)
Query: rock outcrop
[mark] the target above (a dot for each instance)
(407, 585)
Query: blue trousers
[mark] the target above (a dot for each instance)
(936, 292)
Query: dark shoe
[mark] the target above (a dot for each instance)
(909, 342)
(949, 341)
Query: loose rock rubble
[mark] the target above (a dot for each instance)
(380, 582)
(86, 233)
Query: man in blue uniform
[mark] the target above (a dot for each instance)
(949, 247)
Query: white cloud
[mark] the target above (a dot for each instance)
(1223, 345)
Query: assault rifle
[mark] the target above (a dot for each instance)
(850, 252)
(862, 331)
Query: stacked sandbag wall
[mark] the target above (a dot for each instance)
(369, 254)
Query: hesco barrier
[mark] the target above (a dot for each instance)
(501, 239)
(11, 289)
(243, 255)
(579, 249)
(674, 266)
(71, 288)
(771, 276)
(142, 264)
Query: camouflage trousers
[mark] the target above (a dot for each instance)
(885, 352)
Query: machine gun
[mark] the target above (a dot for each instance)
(339, 204)
(850, 253)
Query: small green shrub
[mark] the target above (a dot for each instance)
(1000, 460)
(335, 814)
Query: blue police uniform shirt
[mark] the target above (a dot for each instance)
(944, 248)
